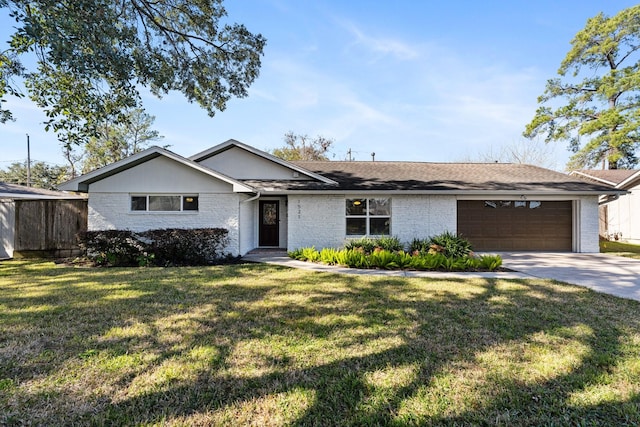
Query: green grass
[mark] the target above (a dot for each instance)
(620, 249)
(264, 345)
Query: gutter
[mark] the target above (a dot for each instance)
(251, 199)
(607, 199)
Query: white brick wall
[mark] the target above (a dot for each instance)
(111, 211)
(422, 216)
(588, 224)
(316, 221)
(320, 220)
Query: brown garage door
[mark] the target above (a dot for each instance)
(516, 226)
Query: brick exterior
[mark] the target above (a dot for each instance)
(422, 216)
(316, 221)
(320, 220)
(587, 217)
(110, 211)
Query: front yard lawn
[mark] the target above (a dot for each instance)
(263, 345)
(621, 249)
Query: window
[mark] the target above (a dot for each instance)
(190, 203)
(368, 217)
(164, 203)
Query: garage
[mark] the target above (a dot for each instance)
(509, 225)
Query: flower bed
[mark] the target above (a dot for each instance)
(454, 255)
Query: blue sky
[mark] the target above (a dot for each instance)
(408, 80)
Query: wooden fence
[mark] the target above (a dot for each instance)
(48, 227)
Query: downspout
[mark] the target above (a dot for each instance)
(606, 199)
(251, 199)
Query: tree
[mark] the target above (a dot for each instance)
(42, 175)
(302, 147)
(119, 140)
(531, 152)
(93, 55)
(600, 85)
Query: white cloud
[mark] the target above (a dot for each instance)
(380, 44)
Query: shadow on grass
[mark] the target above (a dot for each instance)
(297, 348)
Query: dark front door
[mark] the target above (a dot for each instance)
(269, 223)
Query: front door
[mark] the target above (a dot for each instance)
(269, 223)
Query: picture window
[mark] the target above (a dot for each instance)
(368, 217)
(164, 203)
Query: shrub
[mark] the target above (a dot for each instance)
(369, 244)
(443, 252)
(196, 246)
(420, 245)
(112, 247)
(404, 259)
(329, 256)
(352, 258)
(381, 258)
(366, 244)
(311, 254)
(490, 262)
(203, 246)
(450, 245)
(389, 243)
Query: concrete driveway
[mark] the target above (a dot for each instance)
(610, 274)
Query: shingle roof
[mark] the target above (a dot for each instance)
(418, 176)
(14, 191)
(611, 176)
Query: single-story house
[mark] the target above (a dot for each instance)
(266, 202)
(39, 222)
(619, 216)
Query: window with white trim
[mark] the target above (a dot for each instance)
(368, 217)
(164, 203)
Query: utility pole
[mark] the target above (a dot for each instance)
(28, 163)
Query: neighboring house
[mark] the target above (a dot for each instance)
(267, 202)
(39, 222)
(619, 216)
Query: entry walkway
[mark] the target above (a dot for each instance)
(601, 272)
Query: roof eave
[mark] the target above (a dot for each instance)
(593, 178)
(509, 193)
(630, 180)
(233, 143)
(82, 183)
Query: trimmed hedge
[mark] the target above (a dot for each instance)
(164, 247)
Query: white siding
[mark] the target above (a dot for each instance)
(623, 216)
(111, 211)
(7, 228)
(284, 223)
(240, 164)
(160, 175)
(248, 225)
